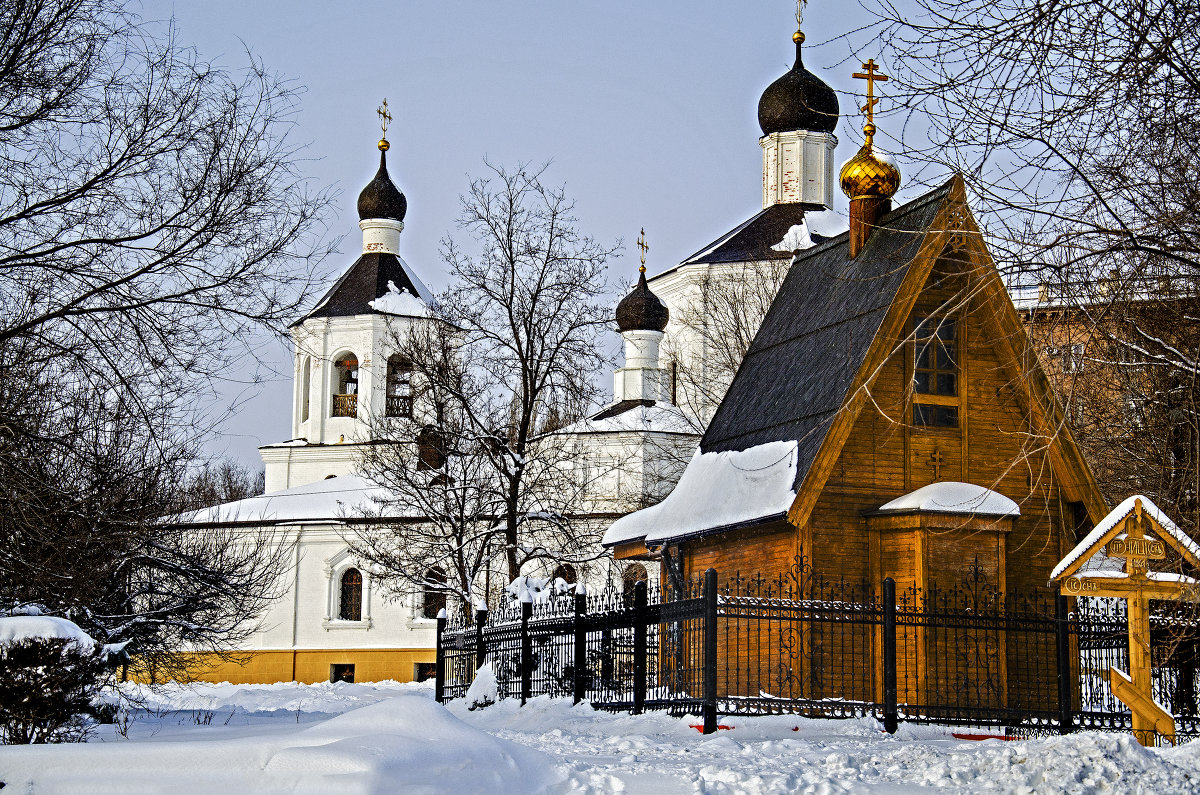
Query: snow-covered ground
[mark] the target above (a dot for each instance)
(388, 737)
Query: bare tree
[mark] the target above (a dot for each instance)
(507, 359)
(1072, 125)
(151, 220)
(711, 336)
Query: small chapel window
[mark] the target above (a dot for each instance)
(399, 386)
(935, 372)
(434, 593)
(350, 597)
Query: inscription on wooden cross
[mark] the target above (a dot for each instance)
(937, 459)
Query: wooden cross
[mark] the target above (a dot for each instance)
(385, 118)
(871, 75)
(937, 459)
(1137, 585)
(641, 243)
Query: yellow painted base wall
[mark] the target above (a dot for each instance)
(312, 665)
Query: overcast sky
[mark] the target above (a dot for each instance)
(647, 110)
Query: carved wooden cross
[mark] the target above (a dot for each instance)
(641, 243)
(937, 459)
(872, 75)
(1129, 537)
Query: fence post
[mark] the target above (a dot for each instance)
(579, 685)
(526, 653)
(891, 717)
(1062, 631)
(710, 651)
(639, 647)
(481, 615)
(439, 674)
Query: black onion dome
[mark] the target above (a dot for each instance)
(641, 310)
(798, 101)
(381, 198)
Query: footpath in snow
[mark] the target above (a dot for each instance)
(387, 737)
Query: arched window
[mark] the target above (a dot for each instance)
(431, 449)
(434, 593)
(399, 386)
(345, 399)
(305, 388)
(350, 600)
(566, 572)
(634, 573)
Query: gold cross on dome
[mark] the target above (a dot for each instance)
(872, 75)
(641, 243)
(800, 12)
(385, 118)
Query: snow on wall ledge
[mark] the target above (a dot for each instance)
(950, 496)
(716, 490)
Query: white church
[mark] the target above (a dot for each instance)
(332, 622)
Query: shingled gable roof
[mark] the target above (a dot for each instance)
(835, 320)
(366, 280)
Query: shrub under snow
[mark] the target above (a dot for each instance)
(50, 672)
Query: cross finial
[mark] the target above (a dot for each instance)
(872, 75)
(385, 120)
(798, 36)
(641, 243)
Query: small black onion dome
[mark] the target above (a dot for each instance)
(641, 310)
(798, 101)
(381, 198)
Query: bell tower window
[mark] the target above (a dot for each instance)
(345, 399)
(399, 387)
(935, 372)
(305, 388)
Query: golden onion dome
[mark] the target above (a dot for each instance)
(867, 174)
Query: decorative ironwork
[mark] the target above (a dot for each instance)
(801, 643)
(345, 405)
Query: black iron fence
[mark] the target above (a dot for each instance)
(970, 656)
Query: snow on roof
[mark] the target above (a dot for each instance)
(397, 301)
(326, 500)
(659, 418)
(1114, 517)
(796, 239)
(716, 490)
(14, 629)
(825, 223)
(953, 497)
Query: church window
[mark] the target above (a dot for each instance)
(434, 593)
(565, 572)
(350, 597)
(1074, 357)
(431, 452)
(399, 386)
(345, 399)
(634, 573)
(936, 372)
(674, 382)
(305, 389)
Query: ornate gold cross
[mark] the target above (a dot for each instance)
(641, 243)
(871, 76)
(385, 118)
